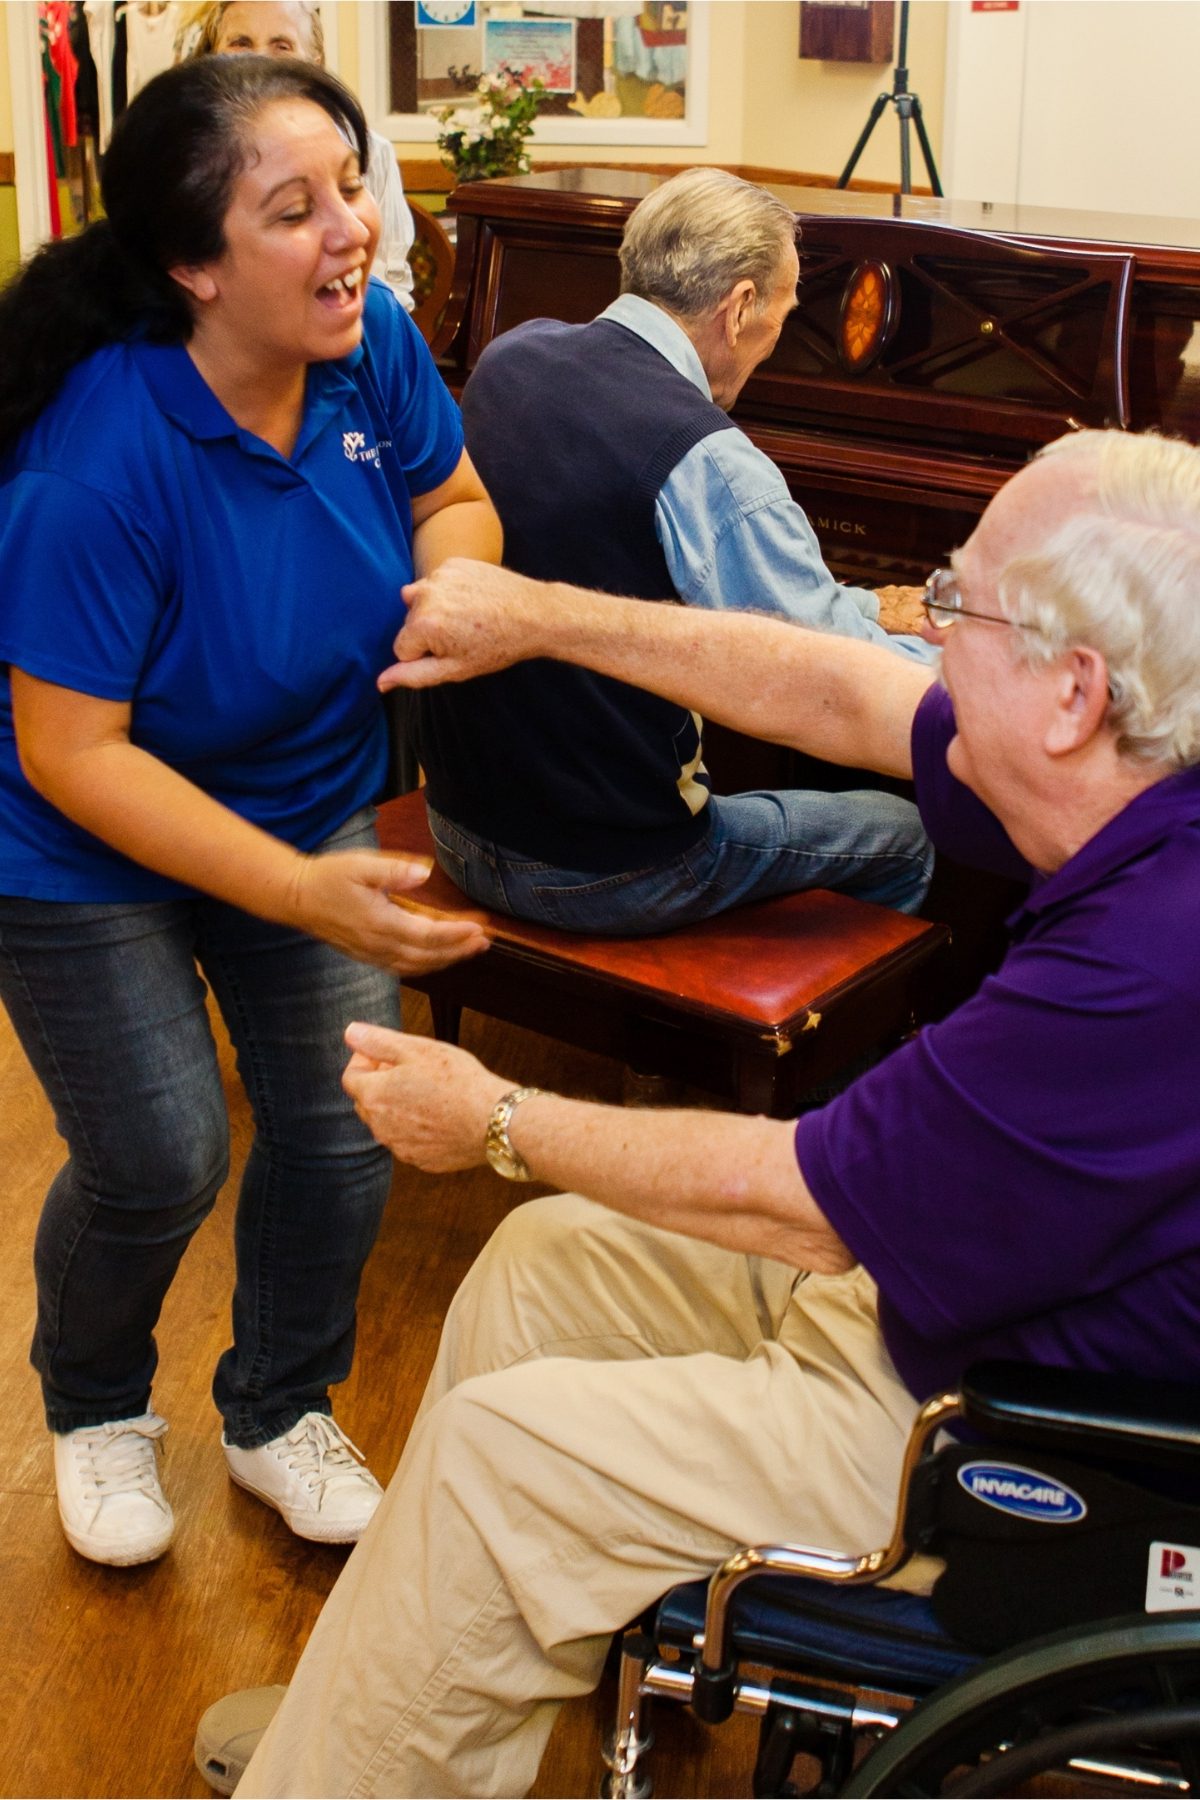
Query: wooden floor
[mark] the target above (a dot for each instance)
(105, 1672)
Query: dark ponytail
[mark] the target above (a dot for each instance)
(71, 298)
(167, 183)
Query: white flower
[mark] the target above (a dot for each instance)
(465, 120)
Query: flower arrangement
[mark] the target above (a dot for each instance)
(489, 137)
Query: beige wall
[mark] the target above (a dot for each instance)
(1076, 103)
(1108, 107)
(800, 114)
(10, 250)
(6, 128)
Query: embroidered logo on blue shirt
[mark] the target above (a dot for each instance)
(355, 445)
(1023, 1492)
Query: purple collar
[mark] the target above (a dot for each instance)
(1154, 815)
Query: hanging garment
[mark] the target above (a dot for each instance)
(87, 96)
(102, 34)
(56, 37)
(150, 32)
(120, 62)
(56, 160)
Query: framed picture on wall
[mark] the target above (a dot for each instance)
(534, 49)
(616, 71)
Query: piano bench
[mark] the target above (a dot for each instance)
(755, 1006)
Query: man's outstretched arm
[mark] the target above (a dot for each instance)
(728, 1179)
(844, 701)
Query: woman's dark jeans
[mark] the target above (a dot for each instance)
(110, 1008)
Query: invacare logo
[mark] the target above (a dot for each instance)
(1023, 1492)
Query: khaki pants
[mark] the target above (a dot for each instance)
(613, 1409)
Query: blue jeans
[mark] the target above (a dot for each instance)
(110, 1008)
(865, 843)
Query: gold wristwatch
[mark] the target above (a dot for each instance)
(500, 1153)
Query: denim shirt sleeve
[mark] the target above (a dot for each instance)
(734, 539)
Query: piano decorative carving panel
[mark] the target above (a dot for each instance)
(962, 321)
(937, 343)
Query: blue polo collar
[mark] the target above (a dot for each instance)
(182, 395)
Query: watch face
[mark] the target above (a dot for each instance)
(446, 12)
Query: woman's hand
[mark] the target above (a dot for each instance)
(351, 899)
(428, 1102)
(75, 750)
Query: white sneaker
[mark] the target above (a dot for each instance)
(110, 1501)
(314, 1476)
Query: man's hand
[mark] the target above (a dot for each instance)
(428, 1102)
(758, 675)
(468, 619)
(346, 897)
(901, 610)
(729, 1179)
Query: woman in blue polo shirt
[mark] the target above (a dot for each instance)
(223, 450)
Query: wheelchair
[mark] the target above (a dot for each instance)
(1062, 1637)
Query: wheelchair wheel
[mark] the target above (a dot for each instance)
(1123, 1694)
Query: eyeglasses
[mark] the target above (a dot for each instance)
(944, 607)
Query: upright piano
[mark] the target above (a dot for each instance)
(936, 345)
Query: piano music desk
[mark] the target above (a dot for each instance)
(755, 1006)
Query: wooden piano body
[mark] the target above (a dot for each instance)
(936, 346)
(937, 343)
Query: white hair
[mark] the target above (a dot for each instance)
(698, 235)
(1122, 576)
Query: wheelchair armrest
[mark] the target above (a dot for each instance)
(1120, 1418)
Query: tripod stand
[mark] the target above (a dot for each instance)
(908, 106)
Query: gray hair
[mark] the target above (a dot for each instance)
(1122, 576)
(201, 28)
(700, 233)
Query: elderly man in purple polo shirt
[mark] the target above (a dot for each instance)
(727, 1340)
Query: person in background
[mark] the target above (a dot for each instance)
(223, 451)
(608, 450)
(293, 28)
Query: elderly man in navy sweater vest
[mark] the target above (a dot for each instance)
(574, 800)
